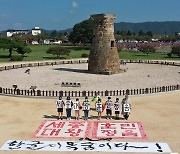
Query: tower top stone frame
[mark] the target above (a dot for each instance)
(103, 58)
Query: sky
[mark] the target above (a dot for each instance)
(64, 14)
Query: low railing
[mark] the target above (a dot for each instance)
(37, 64)
(46, 93)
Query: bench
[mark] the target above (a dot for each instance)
(71, 84)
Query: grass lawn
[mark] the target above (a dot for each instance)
(39, 53)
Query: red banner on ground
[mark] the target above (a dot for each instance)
(63, 129)
(129, 130)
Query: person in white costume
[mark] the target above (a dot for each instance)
(76, 108)
(59, 106)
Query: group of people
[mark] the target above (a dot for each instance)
(86, 105)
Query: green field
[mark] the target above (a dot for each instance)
(39, 53)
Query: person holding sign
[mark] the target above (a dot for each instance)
(126, 107)
(109, 105)
(68, 105)
(59, 105)
(99, 108)
(76, 108)
(117, 108)
(86, 108)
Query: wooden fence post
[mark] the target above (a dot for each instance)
(120, 93)
(127, 92)
(92, 94)
(21, 92)
(69, 93)
(163, 89)
(106, 93)
(11, 91)
(61, 93)
(102, 93)
(31, 92)
(117, 92)
(18, 91)
(178, 87)
(131, 93)
(134, 91)
(75, 93)
(123, 92)
(38, 92)
(84, 94)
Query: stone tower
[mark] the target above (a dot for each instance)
(103, 58)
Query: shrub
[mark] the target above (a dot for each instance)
(17, 58)
(176, 50)
(84, 55)
(58, 51)
(169, 54)
(147, 49)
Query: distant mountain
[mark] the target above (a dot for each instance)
(160, 28)
(167, 27)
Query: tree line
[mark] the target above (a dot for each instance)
(83, 33)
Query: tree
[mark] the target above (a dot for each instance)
(129, 33)
(123, 32)
(27, 38)
(176, 50)
(14, 45)
(82, 32)
(147, 49)
(118, 32)
(54, 34)
(58, 51)
(149, 33)
(141, 33)
(23, 49)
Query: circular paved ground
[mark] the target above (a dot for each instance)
(51, 77)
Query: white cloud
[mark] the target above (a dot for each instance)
(74, 4)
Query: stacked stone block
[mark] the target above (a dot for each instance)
(103, 58)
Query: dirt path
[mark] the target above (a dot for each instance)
(159, 114)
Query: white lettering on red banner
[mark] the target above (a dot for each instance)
(63, 129)
(130, 130)
(21, 145)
